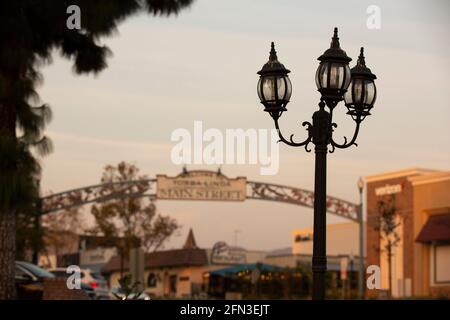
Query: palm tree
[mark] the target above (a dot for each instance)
(30, 33)
(19, 169)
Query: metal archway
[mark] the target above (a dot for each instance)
(147, 188)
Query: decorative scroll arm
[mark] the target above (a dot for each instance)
(345, 144)
(291, 141)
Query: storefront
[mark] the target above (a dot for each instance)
(420, 251)
(184, 272)
(246, 280)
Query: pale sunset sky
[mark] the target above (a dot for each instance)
(165, 73)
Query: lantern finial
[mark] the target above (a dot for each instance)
(273, 53)
(335, 40)
(361, 60)
(273, 65)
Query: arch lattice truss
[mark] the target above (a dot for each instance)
(147, 188)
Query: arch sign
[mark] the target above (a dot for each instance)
(199, 185)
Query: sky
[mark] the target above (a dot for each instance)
(165, 73)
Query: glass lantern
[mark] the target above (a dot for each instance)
(362, 93)
(274, 87)
(333, 74)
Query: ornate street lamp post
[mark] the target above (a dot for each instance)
(335, 82)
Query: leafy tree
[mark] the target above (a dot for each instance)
(387, 226)
(128, 289)
(128, 216)
(46, 234)
(60, 231)
(30, 33)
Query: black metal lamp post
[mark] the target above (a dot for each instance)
(335, 82)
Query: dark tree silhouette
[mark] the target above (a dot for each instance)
(131, 219)
(30, 33)
(387, 227)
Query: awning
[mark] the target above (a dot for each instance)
(436, 229)
(244, 267)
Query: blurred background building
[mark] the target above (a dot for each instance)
(421, 258)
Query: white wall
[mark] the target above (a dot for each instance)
(342, 239)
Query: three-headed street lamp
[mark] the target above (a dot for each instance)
(335, 82)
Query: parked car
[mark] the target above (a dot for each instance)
(118, 293)
(29, 279)
(93, 280)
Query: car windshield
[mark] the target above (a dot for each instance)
(64, 274)
(97, 276)
(37, 271)
(60, 273)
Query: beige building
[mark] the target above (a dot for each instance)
(184, 272)
(88, 252)
(420, 259)
(342, 248)
(342, 239)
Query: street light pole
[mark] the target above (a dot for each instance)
(335, 82)
(350, 277)
(361, 241)
(321, 121)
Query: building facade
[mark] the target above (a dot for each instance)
(420, 242)
(184, 272)
(342, 239)
(88, 252)
(342, 256)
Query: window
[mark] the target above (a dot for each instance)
(441, 262)
(64, 274)
(151, 280)
(60, 273)
(21, 274)
(173, 284)
(35, 270)
(300, 238)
